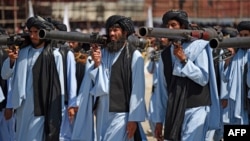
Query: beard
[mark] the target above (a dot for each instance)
(115, 46)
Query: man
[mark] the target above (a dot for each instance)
(116, 85)
(221, 61)
(234, 74)
(188, 91)
(6, 123)
(80, 51)
(158, 46)
(70, 83)
(36, 86)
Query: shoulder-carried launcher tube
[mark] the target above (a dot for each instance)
(13, 39)
(188, 34)
(86, 38)
(72, 36)
(4, 39)
(234, 42)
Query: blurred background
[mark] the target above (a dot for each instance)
(85, 15)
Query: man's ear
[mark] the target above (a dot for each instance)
(125, 33)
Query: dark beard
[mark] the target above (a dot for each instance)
(115, 46)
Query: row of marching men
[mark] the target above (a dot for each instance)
(48, 92)
(43, 78)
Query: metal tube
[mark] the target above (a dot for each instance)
(235, 42)
(72, 36)
(188, 34)
(4, 39)
(87, 38)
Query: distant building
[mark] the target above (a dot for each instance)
(93, 13)
(208, 12)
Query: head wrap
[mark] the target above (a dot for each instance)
(39, 23)
(125, 23)
(232, 32)
(244, 25)
(58, 25)
(179, 15)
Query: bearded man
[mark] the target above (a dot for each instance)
(115, 82)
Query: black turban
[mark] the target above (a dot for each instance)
(244, 25)
(232, 32)
(58, 25)
(179, 15)
(125, 23)
(39, 23)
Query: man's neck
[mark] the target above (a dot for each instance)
(40, 45)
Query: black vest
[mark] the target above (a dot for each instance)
(3, 83)
(120, 82)
(182, 93)
(197, 95)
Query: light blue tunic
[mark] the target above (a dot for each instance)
(110, 126)
(152, 68)
(248, 73)
(1, 95)
(7, 132)
(67, 127)
(200, 69)
(28, 126)
(83, 129)
(234, 113)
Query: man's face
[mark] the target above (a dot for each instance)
(34, 37)
(73, 44)
(173, 24)
(115, 33)
(117, 39)
(244, 33)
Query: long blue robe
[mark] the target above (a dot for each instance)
(234, 113)
(28, 126)
(1, 95)
(83, 129)
(7, 132)
(67, 127)
(152, 68)
(248, 73)
(110, 126)
(199, 68)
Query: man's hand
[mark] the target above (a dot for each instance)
(223, 103)
(232, 52)
(8, 113)
(71, 114)
(13, 54)
(178, 51)
(131, 128)
(158, 132)
(96, 54)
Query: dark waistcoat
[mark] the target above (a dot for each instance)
(182, 93)
(3, 83)
(120, 82)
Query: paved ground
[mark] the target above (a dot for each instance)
(148, 79)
